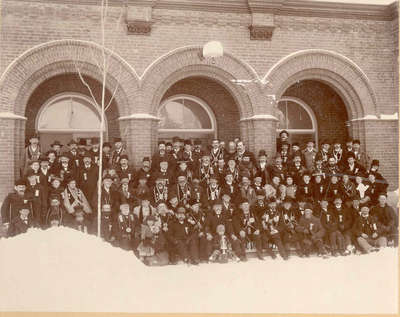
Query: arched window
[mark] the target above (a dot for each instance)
(186, 116)
(68, 116)
(298, 119)
(69, 113)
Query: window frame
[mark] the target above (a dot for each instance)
(201, 103)
(310, 112)
(71, 95)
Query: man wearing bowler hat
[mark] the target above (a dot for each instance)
(31, 152)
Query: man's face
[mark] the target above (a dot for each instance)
(310, 145)
(174, 201)
(245, 207)
(73, 146)
(107, 182)
(296, 148)
(331, 161)
(289, 181)
(308, 213)
(118, 145)
(231, 164)
(32, 180)
(326, 147)
(213, 182)
(24, 212)
(56, 148)
(35, 166)
(168, 148)
(356, 147)
(215, 144)
(124, 209)
(180, 216)
(72, 184)
(382, 200)
(257, 181)
(297, 159)
(345, 178)
(349, 145)
(356, 203)
(20, 189)
(221, 163)
(188, 147)
(162, 208)
(285, 147)
(338, 203)
(44, 164)
(196, 207)
(226, 198)
(146, 165)
(181, 180)
(51, 156)
(364, 212)
(276, 180)
(161, 148)
(87, 160)
(142, 181)
(245, 181)
(306, 178)
(371, 178)
(206, 160)
(350, 160)
(284, 136)
(229, 178)
(163, 165)
(318, 179)
(334, 179)
(217, 209)
(106, 149)
(324, 204)
(232, 146)
(337, 146)
(240, 146)
(183, 166)
(124, 162)
(278, 161)
(55, 183)
(34, 141)
(176, 146)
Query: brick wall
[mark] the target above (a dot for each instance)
(218, 98)
(370, 44)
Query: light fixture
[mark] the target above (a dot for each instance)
(211, 51)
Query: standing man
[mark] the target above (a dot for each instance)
(31, 152)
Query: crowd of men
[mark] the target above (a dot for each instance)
(195, 203)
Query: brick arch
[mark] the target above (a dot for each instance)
(336, 70)
(185, 62)
(42, 62)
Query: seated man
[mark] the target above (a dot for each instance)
(247, 228)
(313, 232)
(387, 218)
(368, 232)
(22, 222)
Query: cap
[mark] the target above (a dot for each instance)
(123, 157)
(308, 206)
(295, 144)
(107, 144)
(146, 159)
(262, 153)
(34, 136)
(82, 142)
(282, 132)
(161, 142)
(216, 202)
(20, 182)
(86, 154)
(69, 178)
(116, 140)
(168, 144)
(351, 154)
(356, 141)
(375, 162)
(260, 193)
(187, 142)
(197, 142)
(95, 140)
(43, 158)
(107, 176)
(56, 142)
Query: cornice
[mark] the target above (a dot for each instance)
(305, 8)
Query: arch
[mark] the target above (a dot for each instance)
(187, 62)
(43, 61)
(338, 71)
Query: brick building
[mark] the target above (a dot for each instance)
(321, 69)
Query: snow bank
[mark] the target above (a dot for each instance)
(64, 270)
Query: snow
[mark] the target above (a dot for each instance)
(61, 269)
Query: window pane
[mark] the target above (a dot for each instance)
(282, 124)
(184, 114)
(298, 117)
(69, 113)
